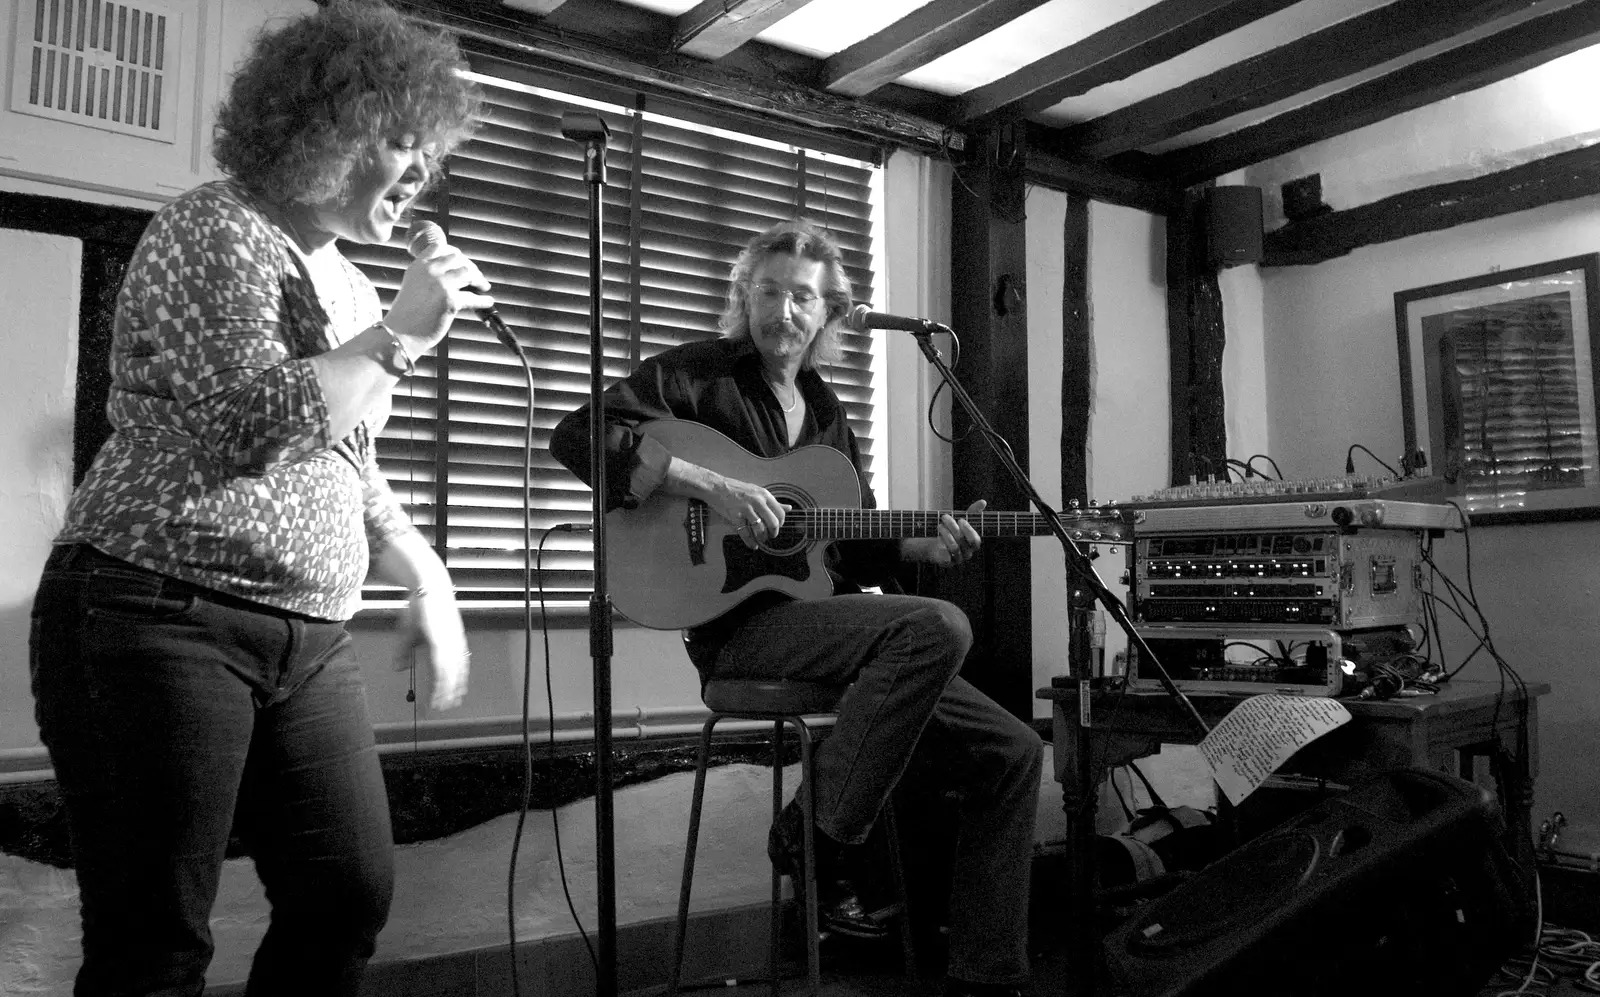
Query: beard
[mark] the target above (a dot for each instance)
(784, 337)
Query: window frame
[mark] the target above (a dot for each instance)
(421, 402)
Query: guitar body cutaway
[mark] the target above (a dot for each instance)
(672, 563)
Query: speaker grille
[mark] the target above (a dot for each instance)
(1233, 225)
(99, 63)
(1220, 900)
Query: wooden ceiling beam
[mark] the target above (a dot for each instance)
(1151, 36)
(1459, 70)
(538, 8)
(930, 31)
(713, 28)
(1049, 166)
(1564, 176)
(563, 47)
(1322, 57)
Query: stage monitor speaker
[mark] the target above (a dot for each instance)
(1401, 885)
(1233, 225)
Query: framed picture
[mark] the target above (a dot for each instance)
(1498, 386)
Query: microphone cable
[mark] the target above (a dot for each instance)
(533, 568)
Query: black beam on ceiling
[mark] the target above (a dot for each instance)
(925, 34)
(1048, 166)
(1151, 36)
(713, 28)
(1459, 70)
(1333, 53)
(583, 56)
(1561, 177)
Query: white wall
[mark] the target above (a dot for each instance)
(1244, 371)
(1128, 415)
(1330, 358)
(1543, 111)
(916, 281)
(36, 394)
(1332, 363)
(1047, 211)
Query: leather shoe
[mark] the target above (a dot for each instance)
(839, 909)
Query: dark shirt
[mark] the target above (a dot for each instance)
(719, 384)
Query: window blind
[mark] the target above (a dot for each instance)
(1515, 410)
(680, 202)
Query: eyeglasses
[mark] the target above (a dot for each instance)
(773, 295)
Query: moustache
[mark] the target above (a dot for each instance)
(779, 327)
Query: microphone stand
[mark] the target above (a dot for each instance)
(590, 129)
(1080, 831)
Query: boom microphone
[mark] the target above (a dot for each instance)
(861, 318)
(426, 235)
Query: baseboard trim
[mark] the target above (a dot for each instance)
(728, 943)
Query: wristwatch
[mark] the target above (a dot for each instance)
(392, 354)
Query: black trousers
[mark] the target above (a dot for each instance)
(162, 706)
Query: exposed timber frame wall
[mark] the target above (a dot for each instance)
(1196, 336)
(989, 311)
(1077, 396)
(1561, 177)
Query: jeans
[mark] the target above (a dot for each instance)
(168, 710)
(901, 655)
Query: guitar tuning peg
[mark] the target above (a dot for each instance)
(1072, 504)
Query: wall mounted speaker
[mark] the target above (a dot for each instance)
(1232, 226)
(1401, 885)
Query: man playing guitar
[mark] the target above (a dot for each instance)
(759, 386)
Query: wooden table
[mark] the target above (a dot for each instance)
(1449, 730)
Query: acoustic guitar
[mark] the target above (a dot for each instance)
(673, 563)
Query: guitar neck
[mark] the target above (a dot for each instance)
(883, 524)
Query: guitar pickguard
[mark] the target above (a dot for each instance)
(745, 565)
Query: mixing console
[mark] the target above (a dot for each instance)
(1416, 489)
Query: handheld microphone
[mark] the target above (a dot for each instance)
(862, 318)
(426, 235)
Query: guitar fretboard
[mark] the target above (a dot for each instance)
(877, 524)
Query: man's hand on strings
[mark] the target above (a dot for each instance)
(756, 514)
(955, 544)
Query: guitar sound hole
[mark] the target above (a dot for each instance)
(790, 538)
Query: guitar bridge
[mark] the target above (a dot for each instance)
(695, 519)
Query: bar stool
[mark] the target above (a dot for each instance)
(782, 703)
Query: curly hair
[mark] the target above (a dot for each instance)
(800, 238)
(319, 95)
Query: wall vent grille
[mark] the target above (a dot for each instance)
(98, 63)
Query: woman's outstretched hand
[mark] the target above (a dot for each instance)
(432, 623)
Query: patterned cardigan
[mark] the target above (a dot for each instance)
(220, 470)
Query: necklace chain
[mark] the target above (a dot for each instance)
(789, 408)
